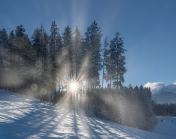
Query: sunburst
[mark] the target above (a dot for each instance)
(74, 86)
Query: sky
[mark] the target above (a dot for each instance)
(148, 28)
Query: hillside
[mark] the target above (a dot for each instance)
(23, 117)
(162, 93)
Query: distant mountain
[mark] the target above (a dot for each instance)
(162, 93)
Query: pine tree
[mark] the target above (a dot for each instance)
(87, 53)
(11, 39)
(4, 56)
(148, 113)
(117, 60)
(68, 58)
(93, 46)
(52, 57)
(105, 60)
(4, 41)
(68, 52)
(40, 46)
(77, 51)
(37, 44)
(11, 46)
(78, 57)
(45, 41)
(28, 50)
(59, 62)
(19, 42)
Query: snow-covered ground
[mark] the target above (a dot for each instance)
(23, 117)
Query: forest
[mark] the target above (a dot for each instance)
(46, 65)
(164, 109)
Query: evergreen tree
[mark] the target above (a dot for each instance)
(68, 52)
(77, 51)
(19, 41)
(93, 46)
(11, 46)
(11, 39)
(59, 62)
(40, 46)
(52, 57)
(4, 41)
(87, 53)
(37, 44)
(28, 50)
(45, 43)
(68, 58)
(148, 113)
(78, 57)
(105, 60)
(117, 60)
(4, 56)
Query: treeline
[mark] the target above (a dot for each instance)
(55, 59)
(164, 109)
(45, 65)
(128, 106)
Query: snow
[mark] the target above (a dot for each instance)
(155, 87)
(162, 93)
(23, 117)
(159, 87)
(167, 127)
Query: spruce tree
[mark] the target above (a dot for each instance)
(78, 58)
(68, 58)
(77, 51)
(40, 46)
(4, 40)
(93, 46)
(117, 60)
(59, 62)
(52, 57)
(68, 52)
(19, 41)
(4, 57)
(11, 39)
(105, 60)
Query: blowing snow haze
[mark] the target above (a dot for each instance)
(162, 93)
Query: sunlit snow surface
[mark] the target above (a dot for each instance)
(23, 117)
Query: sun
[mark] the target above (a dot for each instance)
(74, 86)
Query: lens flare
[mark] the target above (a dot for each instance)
(43, 91)
(34, 87)
(74, 86)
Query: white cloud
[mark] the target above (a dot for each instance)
(157, 87)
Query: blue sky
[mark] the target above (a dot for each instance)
(148, 28)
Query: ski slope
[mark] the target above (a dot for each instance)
(23, 117)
